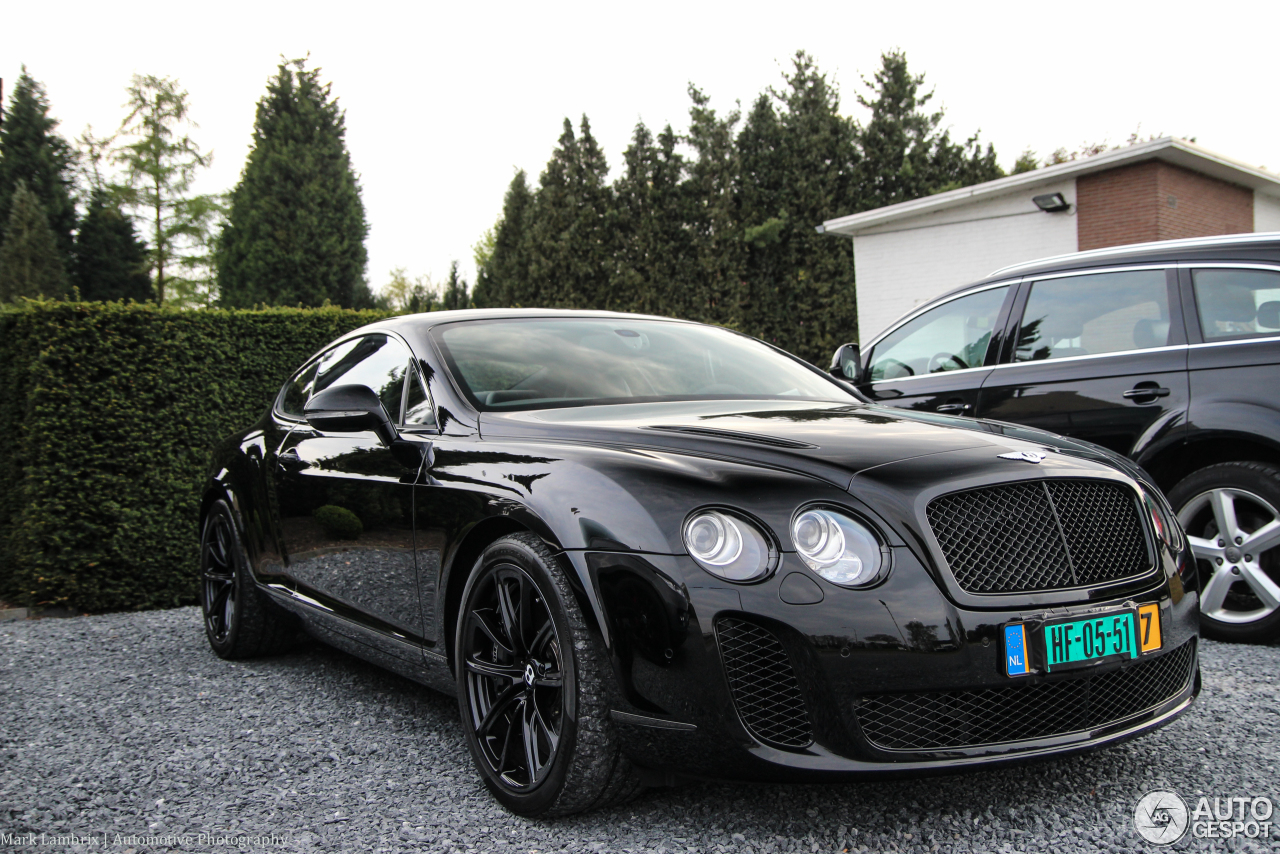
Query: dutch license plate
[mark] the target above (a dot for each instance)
(1079, 643)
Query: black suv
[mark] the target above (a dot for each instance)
(1168, 353)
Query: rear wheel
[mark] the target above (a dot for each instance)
(238, 620)
(1231, 513)
(531, 687)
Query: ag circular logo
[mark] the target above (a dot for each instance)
(1161, 817)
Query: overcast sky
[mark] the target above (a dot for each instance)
(444, 101)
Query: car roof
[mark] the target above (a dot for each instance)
(1264, 247)
(415, 325)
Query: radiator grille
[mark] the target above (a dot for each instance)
(763, 684)
(953, 719)
(1039, 535)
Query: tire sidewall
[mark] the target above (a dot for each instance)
(1263, 481)
(509, 550)
(225, 647)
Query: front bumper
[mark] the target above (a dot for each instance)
(665, 623)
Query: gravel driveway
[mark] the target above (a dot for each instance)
(126, 724)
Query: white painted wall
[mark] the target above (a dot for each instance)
(908, 262)
(1266, 212)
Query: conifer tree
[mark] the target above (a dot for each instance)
(110, 261)
(160, 168)
(31, 263)
(654, 249)
(32, 152)
(719, 252)
(455, 294)
(569, 241)
(501, 277)
(905, 156)
(296, 226)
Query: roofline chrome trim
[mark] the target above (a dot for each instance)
(1181, 243)
(1164, 349)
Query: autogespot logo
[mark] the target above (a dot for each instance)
(1161, 817)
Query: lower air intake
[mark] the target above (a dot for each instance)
(763, 683)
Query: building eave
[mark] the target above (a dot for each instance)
(1178, 152)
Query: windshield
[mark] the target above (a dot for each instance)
(514, 364)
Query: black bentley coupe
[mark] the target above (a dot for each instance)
(636, 548)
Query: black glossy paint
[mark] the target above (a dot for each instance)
(609, 488)
(1210, 402)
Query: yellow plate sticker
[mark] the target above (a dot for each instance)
(1149, 627)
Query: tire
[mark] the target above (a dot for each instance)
(239, 620)
(1239, 573)
(529, 672)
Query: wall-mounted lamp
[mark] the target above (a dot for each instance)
(1051, 202)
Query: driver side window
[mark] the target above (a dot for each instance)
(951, 337)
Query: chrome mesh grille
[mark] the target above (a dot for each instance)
(763, 684)
(1039, 535)
(952, 719)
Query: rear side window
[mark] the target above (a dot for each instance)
(1094, 314)
(1237, 303)
(951, 337)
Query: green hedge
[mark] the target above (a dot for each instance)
(107, 416)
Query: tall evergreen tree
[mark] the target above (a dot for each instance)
(455, 294)
(31, 264)
(654, 249)
(569, 240)
(160, 168)
(110, 261)
(766, 223)
(296, 227)
(501, 276)
(905, 155)
(716, 293)
(32, 152)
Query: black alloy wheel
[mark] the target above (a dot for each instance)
(1231, 513)
(239, 621)
(531, 687)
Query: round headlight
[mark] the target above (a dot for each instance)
(727, 546)
(840, 549)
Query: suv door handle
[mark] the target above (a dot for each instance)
(1152, 391)
(290, 461)
(954, 407)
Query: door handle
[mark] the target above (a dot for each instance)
(1152, 391)
(290, 461)
(954, 407)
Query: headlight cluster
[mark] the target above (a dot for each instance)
(1163, 519)
(839, 548)
(836, 546)
(728, 546)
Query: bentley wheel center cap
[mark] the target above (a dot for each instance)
(528, 675)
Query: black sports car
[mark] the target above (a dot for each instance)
(637, 548)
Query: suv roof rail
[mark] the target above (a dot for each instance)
(1183, 243)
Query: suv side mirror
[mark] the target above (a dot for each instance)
(846, 364)
(350, 409)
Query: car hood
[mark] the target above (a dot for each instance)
(833, 441)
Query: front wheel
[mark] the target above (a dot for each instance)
(1231, 513)
(531, 687)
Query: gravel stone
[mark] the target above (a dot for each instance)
(127, 724)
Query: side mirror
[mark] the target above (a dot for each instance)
(846, 364)
(350, 409)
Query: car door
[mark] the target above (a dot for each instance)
(345, 503)
(1099, 356)
(937, 359)
(1234, 313)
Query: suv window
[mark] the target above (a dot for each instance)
(1237, 303)
(951, 337)
(1092, 314)
(377, 361)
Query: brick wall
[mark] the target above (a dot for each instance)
(1157, 201)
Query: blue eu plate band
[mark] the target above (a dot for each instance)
(1015, 650)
